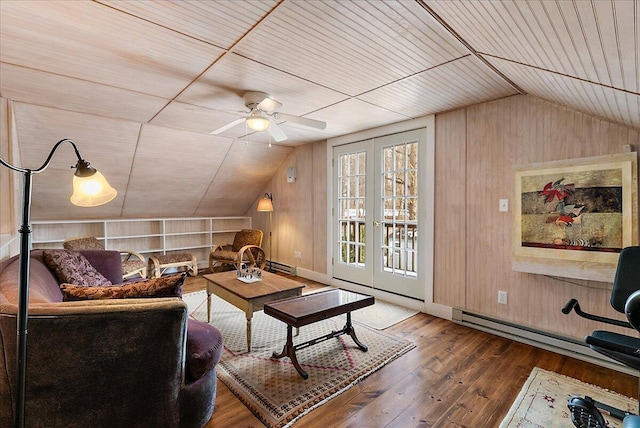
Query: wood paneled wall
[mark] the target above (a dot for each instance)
(6, 176)
(9, 196)
(476, 148)
(299, 210)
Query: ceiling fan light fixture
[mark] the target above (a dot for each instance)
(257, 120)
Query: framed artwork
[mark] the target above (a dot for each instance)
(571, 218)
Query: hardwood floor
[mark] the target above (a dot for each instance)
(455, 376)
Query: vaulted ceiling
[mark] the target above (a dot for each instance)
(140, 84)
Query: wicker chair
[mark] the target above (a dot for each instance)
(246, 249)
(132, 263)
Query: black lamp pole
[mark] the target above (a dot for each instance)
(82, 169)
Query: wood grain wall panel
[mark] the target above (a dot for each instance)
(320, 204)
(499, 135)
(7, 223)
(450, 181)
(295, 211)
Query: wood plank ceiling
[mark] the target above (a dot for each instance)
(140, 84)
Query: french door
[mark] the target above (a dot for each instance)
(376, 213)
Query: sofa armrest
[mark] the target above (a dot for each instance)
(204, 348)
(83, 356)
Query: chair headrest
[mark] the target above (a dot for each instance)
(627, 279)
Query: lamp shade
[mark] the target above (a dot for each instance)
(265, 204)
(92, 190)
(258, 121)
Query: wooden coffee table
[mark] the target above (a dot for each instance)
(300, 311)
(250, 297)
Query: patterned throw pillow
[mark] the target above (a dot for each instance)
(73, 267)
(169, 286)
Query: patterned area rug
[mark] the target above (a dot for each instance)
(272, 389)
(542, 402)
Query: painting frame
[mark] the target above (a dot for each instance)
(545, 191)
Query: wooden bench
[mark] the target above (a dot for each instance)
(304, 310)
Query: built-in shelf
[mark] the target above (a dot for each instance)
(146, 236)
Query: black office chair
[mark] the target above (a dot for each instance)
(625, 298)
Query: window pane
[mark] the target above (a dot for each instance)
(400, 157)
(362, 163)
(399, 209)
(388, 208)
(412, 209)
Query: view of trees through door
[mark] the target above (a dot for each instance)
(400, 208)
(376, 212)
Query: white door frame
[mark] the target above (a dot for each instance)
(427, 182)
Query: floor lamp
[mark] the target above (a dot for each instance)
(266, 204)
(89, 189)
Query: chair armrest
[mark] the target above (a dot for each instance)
(573, 304)
(217, 247)
(128, 254)
(214, 248)
(613, 346)
(249, 251)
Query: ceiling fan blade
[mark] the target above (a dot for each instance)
(227, 126)
(312, 123)
(276, 132)
(269, 105)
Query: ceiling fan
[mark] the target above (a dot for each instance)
(263, 114)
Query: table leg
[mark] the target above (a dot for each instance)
(348, 329)
(208, 306)
(249, 316)
(290, 351)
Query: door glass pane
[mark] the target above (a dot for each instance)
(362, 163)
(399, 205)
(351, 215)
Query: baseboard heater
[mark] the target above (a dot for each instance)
(541, 339)
(281, 267)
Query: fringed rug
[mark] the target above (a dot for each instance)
(542, 402)
(272, 389)
(379, 316)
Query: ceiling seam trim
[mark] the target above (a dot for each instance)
(409, 76)
(219, 58)
(469, 47)
(562, 74)
(126, 192)
(295, 75)
(213, 179)
(157, 24)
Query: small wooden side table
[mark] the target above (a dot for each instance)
(250, 297)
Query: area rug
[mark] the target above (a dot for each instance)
(379, 316)
(542, 402)
(382, 314)
(272, 389)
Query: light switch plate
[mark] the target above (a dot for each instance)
(503, 205)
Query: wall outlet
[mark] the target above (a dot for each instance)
(503, 205)
(297, 255)
(502, 297)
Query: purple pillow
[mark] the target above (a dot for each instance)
(72, 267)
(169, 286)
